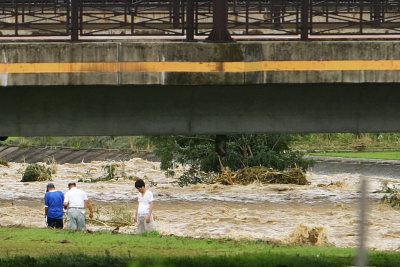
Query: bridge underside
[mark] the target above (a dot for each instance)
(144, 110)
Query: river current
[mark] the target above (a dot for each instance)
(322, 213)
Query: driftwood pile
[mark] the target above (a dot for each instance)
(263, 175)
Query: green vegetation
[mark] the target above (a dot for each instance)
(199, 152)
(304, 142)
(392, 195)
(36, 172)
(43, 247)
(346, 141)
(110, 171)
(209, 158)
(4, 163)
(369, 155)
(127, 143)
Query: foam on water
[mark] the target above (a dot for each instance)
(325, 210)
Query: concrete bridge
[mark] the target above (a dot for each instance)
(135, 88)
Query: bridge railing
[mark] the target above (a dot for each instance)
(298, 19)
(127, 17)
(35, 18)
(367, 17)
(272, 17)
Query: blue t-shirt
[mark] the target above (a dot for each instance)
(54, 200)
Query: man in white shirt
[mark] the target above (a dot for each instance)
(75, 201)
(143, 216)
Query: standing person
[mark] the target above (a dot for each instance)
(143, 216)
(75, 201)
(53, 207)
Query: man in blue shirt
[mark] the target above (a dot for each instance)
(53, 209)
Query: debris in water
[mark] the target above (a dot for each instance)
(36, 172)
(307, 235)
(4, 163)
(263, 174)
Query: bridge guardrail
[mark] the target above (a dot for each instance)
(217, 19)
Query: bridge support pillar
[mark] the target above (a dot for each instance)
(220, 32)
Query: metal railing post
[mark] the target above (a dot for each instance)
(376, 13)
(276, 12)
(305, 26)
(190, 21)
(220, 32)
(16, 18)
(175, 13)
(74, 20)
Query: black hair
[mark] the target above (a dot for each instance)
(139, 183)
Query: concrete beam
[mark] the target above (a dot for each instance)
(182, 63)
(147, 110)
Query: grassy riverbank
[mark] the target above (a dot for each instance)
(346, 141)
(44, 247)
(306, 142)
(126, 143)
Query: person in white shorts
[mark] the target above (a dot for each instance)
(75, 201)
(143, 216)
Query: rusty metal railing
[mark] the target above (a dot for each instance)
(125, 17)
(349, 17)
(35, 18)
(216, 19)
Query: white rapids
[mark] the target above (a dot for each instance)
(326, 210)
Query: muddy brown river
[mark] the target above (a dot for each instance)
(322, 213)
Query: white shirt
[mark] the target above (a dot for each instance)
(75, 198)
(144, 202)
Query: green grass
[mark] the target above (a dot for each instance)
(308, 142)
(127, 143)
(368, 155)
(345, 141)
(45, 247)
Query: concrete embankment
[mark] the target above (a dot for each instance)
(327, 165)
(68, 155)
(367, 167)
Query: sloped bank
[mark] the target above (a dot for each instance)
(323, 165)
(69, 155)
(367, 167)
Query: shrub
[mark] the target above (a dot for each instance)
(36, 172)
(392, 196)
(53, 164)
(4, 163)
(195, 176)
(110, 172)
(269, 150)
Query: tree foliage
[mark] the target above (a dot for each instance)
(269, 150)
(36, 172)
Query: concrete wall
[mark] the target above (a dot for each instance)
(137, 88)
(142, 110)
(89, 63)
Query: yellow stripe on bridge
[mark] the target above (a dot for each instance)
(177, 66)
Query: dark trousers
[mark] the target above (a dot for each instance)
(55, 223)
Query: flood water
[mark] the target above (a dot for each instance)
(322, 213)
